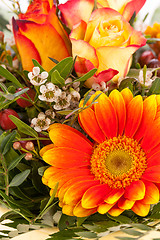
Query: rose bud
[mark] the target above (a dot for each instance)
(24, 103)
(17, 145)
(5, 122)
(29, 146)
(154, 63)
(145, 57)
(1, 37)
(28, 156)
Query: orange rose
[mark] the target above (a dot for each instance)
(73, 11)
(107, 43)
(39, 35)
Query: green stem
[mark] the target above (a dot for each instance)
(6, 179)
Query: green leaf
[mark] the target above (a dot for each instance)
(5, 73)
(5, 104)
(132, 232)
(57, 79)
(86, 234)
(155, 88)
(127, 83)
(66, 221)
(141, 226)
(23, 127)
(63, 67)
(17, 94)
(19, 178)
(86, 76)
(14, 163)
(86, 97)
(120, 219)
(36, 64)
(67, 234)
(41, 170)
(7, 142)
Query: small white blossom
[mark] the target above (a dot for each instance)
(148, 80)
(50, 92)
(100, 86)
(41, 122)
(75, 95)
(63, 101)
(96, 86)
(37, 78)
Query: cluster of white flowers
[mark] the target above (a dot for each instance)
(50, 92)
(43, 120)
(148, 78)
(37, 78)
(102, 86)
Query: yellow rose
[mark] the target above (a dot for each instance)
(107, 43)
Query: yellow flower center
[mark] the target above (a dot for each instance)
(118, 162)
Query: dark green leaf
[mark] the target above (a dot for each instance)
(57, 79)
(86, 76)
(155, 88)
(6, 103)
(120, 219)
(7, 142)
(86, 97)
(23, 127)
(19, 178)
(63, 67)
(14, 162)
(63, 235)
(65, 221)
(41, 170)
(81, 220)
(36, 64)
(5, 73)
(127, 83)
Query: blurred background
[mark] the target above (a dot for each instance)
(152, 7)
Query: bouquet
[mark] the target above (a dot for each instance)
(79, 118)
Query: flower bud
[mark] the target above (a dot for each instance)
(145, 57)
(29, 146)
(17, 145)
(28, 156)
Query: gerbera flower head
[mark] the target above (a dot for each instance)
(119, 169)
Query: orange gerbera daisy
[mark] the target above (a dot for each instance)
(120, 169)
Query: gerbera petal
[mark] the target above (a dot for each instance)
(46, 148)
(135, 191)
(95, 196)
(119, 105)
(149, 113)
(141, 209)
(151, 194)
(134, 115)
(125, 203)
(106, 116)
(152, 174)
(154, 160)
(91, 127)
(68, 210)
(79, 211)
(69, 157)
(114, 195)
(65, 136)
(115, 211)
(74, 194)
(104, 208)
(69, 183)
(127, 95)
(151, 138)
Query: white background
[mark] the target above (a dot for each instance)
(149, 6)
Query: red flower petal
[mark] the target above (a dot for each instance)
(119, 105)
(65, 136)
(149, 113)
(135, 191)
(125, 203)
(151, 194)
(106, 116)
(133, 116)
(64, 157)
(114, 195)
(152, 174)
(95, 196)
(74, 194)
(154, 160)
(141, 209)
(79, 211)
(115, 211)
